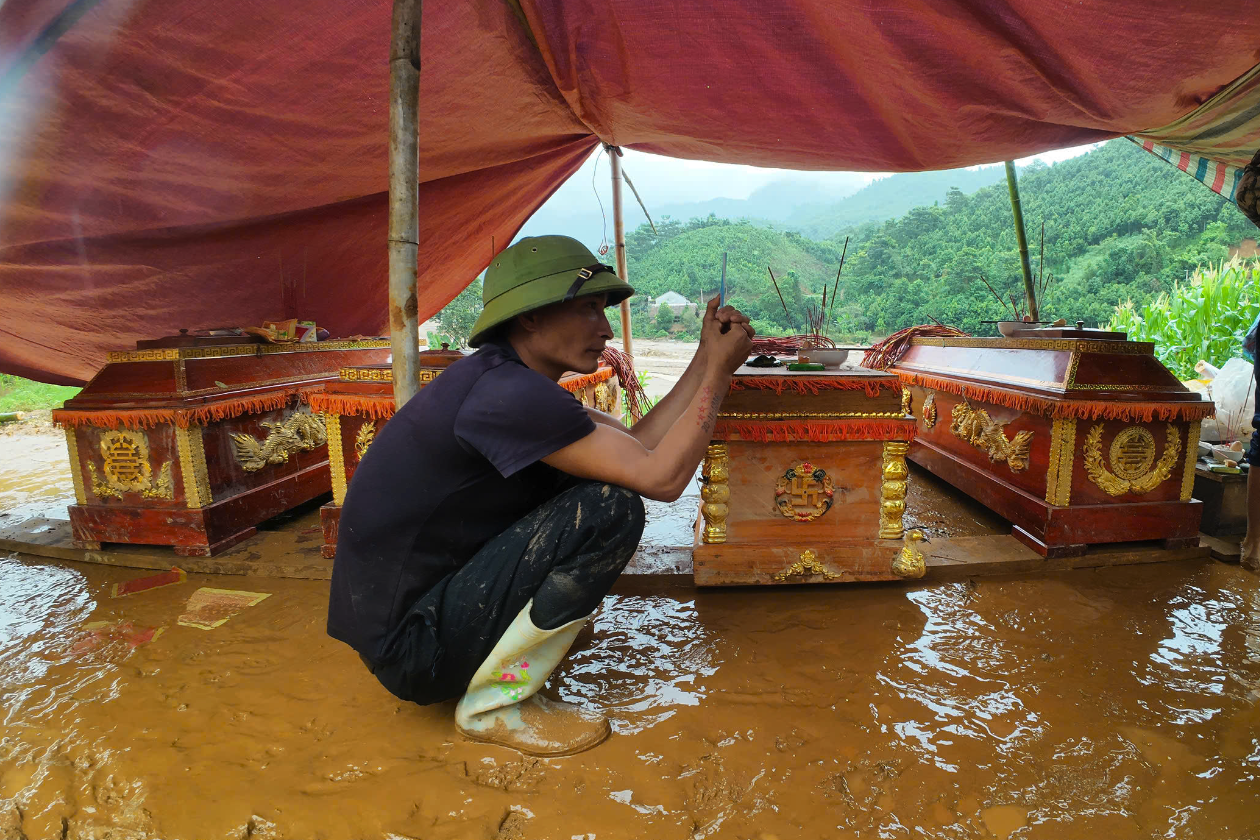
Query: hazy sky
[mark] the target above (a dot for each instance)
(663, 180)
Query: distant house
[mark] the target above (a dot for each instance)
(674, 301)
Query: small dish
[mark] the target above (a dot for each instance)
(1008, 328)
(828, 357)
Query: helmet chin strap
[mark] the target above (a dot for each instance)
(582, 276)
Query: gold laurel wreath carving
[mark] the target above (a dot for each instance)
(1114, 485)
(363, 438)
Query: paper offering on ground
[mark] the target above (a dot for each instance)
(130, 587)
(208, 608)
(112, 640)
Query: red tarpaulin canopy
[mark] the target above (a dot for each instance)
(189, 163)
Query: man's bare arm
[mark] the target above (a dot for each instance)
(651, 429)
(662, 472)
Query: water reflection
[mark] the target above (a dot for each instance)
(959, 673)
(648, 657)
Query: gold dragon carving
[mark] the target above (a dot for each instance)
(976, 427)
(1131, 455)
(299, 432)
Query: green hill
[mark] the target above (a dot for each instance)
(1119, 224)
(890, 197)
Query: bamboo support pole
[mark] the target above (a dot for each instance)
(404, 191)
(619, 238)
(1029, 293)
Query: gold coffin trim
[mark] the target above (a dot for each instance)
(192, 466)
(336, 457)
(715, 493)
(171, 354)
(1070, 345)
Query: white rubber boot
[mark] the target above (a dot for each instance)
(501, 705)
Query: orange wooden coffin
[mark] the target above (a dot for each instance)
(1076, 441)
(192, 445)
(361, 401)
(805, 481)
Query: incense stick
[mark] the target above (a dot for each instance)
(722, 288)
(837, 284)
(780, 294)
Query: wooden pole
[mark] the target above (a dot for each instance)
(619, 238)
(1013, 186)
(404, 196)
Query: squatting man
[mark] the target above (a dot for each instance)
(493, 513)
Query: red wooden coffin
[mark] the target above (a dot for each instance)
(805, 481)
(194, 444)
(1076, 441)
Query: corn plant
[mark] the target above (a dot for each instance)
(1205, 318)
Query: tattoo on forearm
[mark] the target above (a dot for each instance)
(709, 403)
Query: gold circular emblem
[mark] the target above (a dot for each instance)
(125, 458)
(1132, 453)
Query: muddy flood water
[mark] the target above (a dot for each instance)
(1122, 703)
(1119, 703)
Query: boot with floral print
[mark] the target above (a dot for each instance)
(501, 705)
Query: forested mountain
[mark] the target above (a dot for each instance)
(812, 203)
(890, 197)
(1119, 224)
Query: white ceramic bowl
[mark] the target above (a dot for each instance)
(1008, 328)
(828, 356)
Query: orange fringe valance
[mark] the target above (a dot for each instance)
(348, 405)
(145, 418)
(1134, 412)
(809, 385)
(814, 431)
(576, 383)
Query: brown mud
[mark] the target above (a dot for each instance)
(1122, 702)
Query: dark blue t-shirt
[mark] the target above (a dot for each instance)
(455, 467)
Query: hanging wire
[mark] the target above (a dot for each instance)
(603, 246)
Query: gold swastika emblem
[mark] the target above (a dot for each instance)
(804, 492)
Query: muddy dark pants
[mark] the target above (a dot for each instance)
(565, 555)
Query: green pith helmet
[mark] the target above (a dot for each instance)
(540, 270)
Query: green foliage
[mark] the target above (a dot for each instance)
(664, 319)
(18, 394)
(1120, 224)
(1205, 318)
(458, 317)
(648, 403)
(436, 340)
